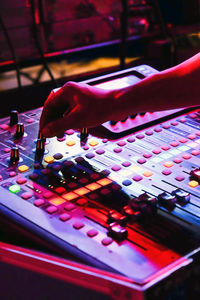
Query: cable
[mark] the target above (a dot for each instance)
(12, 50)
(37, 43)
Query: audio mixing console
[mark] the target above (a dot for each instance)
(127, 202)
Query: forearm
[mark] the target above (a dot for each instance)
(173, 88)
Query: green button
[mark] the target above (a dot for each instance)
(14, 188)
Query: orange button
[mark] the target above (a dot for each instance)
(168, 164)
(93, 143)
(193, 183)
(147, 173)
(104, 181)
(69, 196)
(93, 186)
(49, 159)
(23, 168)
(70, 143)
(81, 191)
(57, 201)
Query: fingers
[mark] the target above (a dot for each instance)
(71, 120)
(57, 104)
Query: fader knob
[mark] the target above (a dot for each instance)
(19, 130)
(40, 146)
(14, 155)
(13, 117)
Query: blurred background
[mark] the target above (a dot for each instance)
(44, 43)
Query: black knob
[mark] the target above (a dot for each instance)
(19, 130)
(40, 146)
(14, 155)
(167, 200)
(182, 196)
(41, 136)
(13, 117)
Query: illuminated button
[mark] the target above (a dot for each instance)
(198, 133)
(47, 195)
(14, 188)
(6, 150)
(184, 148)
(72, 185)
(149, 132)
(140, 136)
(51, 209)
(156, 151)
(166, 126)
(174, 123)
(116, 168)
(12, 173)
(125, 173)
(104, 181)
(100, 151)
(157, 159)
(186, 156)
(69, 131)
(70, 196)
(78, 225)
(93, 186)
(30, 121)
(1, 177)
(69, 206)
(49, 159)
(81, 201)
(174, 144)
(26, 195)
(81, 191)
(94, 176)
(38, 202)
(4, 126)
(83, 180)
(147, 173)
(21, 180)
(174, 152)
(165, 147)
(121, 143)
(127, 182)
(64, 217)
(105, 141)
(177, 160)
(183, 140)
(60, 190)
(166, 172)
(195, 152)
(93, 143)
(117, 150)
(126, 164)
(180, 178)
(157, 129)
(193, 183)
(57, 201)
(131, 139)
(90, 155)
(168, 164)
(147, 155)
(192, 136)
(141, 160)
(107, 241)
(92, 233)
(70, 143)
(23, 168)
(117, 231)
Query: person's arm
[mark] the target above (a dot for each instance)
(80, 105)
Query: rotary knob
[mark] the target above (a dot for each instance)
(14, 155)
(40, 146)
(13, 117)
(19, 130)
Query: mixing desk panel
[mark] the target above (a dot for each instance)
(129, 203)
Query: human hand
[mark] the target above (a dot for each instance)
(75, 105)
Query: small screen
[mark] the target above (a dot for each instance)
(119, 83)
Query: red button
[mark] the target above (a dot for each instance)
(38, 202)
(195, 152)
(179, 178)
(166, 172)
(107, 241)
(26, 195)
(21, 180)
(174, 144)
(186, 156)
(191, 136)
(165, 147)
(183, 140)
(156, 151)
(177, 160)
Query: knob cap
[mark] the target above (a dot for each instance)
(14, 155)
(41, 136)
(40, 146)
(13, 117)
(19, 130)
